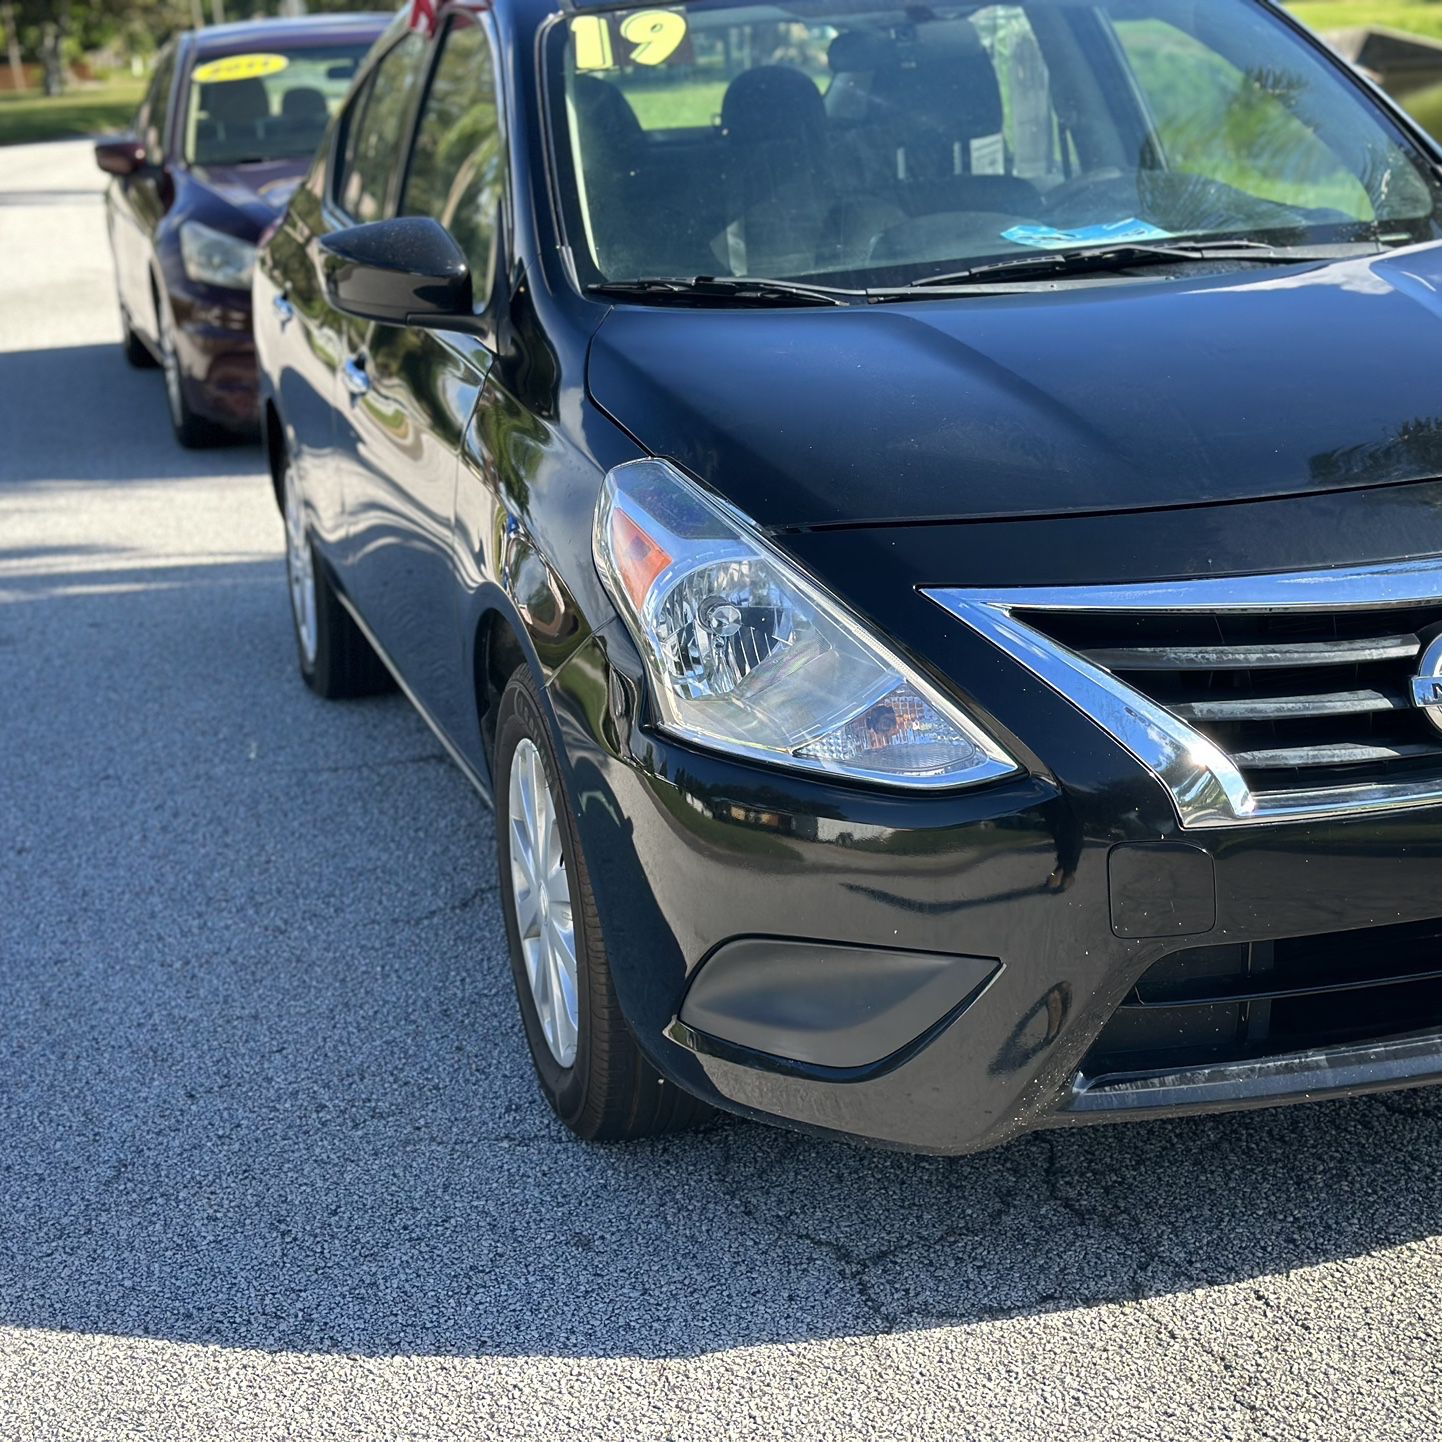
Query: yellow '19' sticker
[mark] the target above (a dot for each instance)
(238, 67)
(654, 36)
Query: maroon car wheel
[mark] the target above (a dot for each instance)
(193, 431)
(135, 351)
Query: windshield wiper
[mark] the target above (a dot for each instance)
(749, 289)
(1083, 260)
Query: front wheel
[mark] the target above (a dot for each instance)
(590, 1068)
(135, 351)
(193, 431)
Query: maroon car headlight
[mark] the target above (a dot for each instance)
(748, 655)
(214, 258)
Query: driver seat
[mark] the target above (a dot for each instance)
(238, 109)
(774, 123)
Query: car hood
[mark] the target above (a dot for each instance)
(259, 193)
(1167, 392)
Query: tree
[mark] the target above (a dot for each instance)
(133, 27)
(12, 44)
(57, 32)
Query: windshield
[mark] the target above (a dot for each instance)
(266, 105)
(856, 145)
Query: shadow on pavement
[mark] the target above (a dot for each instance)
(263, 1085)
(80, 413)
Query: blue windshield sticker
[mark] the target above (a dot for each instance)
(1119, 232)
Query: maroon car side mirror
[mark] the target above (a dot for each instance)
(120, 155)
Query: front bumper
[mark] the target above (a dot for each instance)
(216, 349)
(1068, 890)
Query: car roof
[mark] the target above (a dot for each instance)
(320, 29)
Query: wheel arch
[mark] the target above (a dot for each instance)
(503, 638)
(272, 434)
(500, 648)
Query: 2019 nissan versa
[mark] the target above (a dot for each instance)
(927, 521)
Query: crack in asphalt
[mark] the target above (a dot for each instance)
(857, 1265)
(449, 908)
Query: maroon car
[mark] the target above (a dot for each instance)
(230, 122)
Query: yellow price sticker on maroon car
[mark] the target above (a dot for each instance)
(239, 67)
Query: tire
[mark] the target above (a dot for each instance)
(601, 1087)
(336, 661)
(135, 351)
(193, 431)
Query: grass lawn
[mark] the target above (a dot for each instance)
(1426, 107)
(1421, 17)
(80, 111)
(668, 107)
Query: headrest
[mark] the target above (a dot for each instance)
(305, 104)
(947, 82)
(235, 101)
(772, 102)
(605, 112)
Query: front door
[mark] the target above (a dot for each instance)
(408, 394)
(359, 175)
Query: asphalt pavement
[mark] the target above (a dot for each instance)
(272, 1162)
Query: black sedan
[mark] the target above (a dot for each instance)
(227, 127)
(925, 523)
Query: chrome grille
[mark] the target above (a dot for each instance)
(1251, 698)
(1295, 699)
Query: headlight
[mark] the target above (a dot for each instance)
(215, 259)
(747, 655)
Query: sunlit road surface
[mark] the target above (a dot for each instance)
(272, 1164)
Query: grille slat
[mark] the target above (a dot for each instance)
(1298, 699)
(1336, 754)
(1269, 707)
(1352, 652)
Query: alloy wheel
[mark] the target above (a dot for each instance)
(170, 364)
(300, 570)
(541, 892)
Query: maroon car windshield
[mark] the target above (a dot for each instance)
(270, 104)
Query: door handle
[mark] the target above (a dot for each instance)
(357, 382)
(283, 309)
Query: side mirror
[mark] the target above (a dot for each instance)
(406, 271)
(120, 155)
